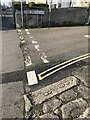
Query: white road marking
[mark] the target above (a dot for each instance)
(28, 33)
(19, 30)
(44, 55)
(31, 37)
(26, 30)
(28, 60)
(20, 33)
(44, 59)
(32, 79)
(34, 42)
(21, 37)
(22, 42)
(87, 36)
(37, 47)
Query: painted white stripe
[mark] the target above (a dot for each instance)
(31, 37)
(22, 42)
(26, 30)
(87, 36)
(44, 59)
(32, 79)
(21, 37)
(37, 48)
(28, 60)
(20, 33)
(34, 42)
(19, 30)
(28, 33)
(44, 55)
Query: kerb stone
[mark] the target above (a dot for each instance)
(56, 88)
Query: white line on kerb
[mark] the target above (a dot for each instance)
(87, 36)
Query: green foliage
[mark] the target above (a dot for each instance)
(31, 4)
(17, 3)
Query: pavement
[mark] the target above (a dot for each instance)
(12, 75)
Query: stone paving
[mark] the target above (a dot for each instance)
(68, 98)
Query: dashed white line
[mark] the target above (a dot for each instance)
(26, 30)
(28, 60)
(21, 37)
(20, 33)
(22, 42)
(28, 33)
(37, 47)
(43, 54)
(34, 42)
(44, 59)
(31, 37)
(87, 36)
(19, 30)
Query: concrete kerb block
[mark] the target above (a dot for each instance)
(28, 104)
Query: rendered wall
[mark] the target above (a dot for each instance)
(58, 17)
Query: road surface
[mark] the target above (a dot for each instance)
(48, 47)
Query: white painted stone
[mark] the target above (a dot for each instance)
(32, 79)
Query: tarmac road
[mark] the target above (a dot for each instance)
(48, 47)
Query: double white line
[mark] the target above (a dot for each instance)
(58, 67)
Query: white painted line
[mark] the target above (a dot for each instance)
(31, 37)
(26, 30)
(32, 79)
(34, 42)
(43, 54)
(19, 30)
(20, 33)
(22, 42)
(87, 36)
(28, 33)
(44, 59)
(28, 61)
(21, 37)
(37, 48)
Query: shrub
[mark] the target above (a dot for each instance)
(31, 4)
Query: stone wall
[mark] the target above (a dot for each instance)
(58, 17)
